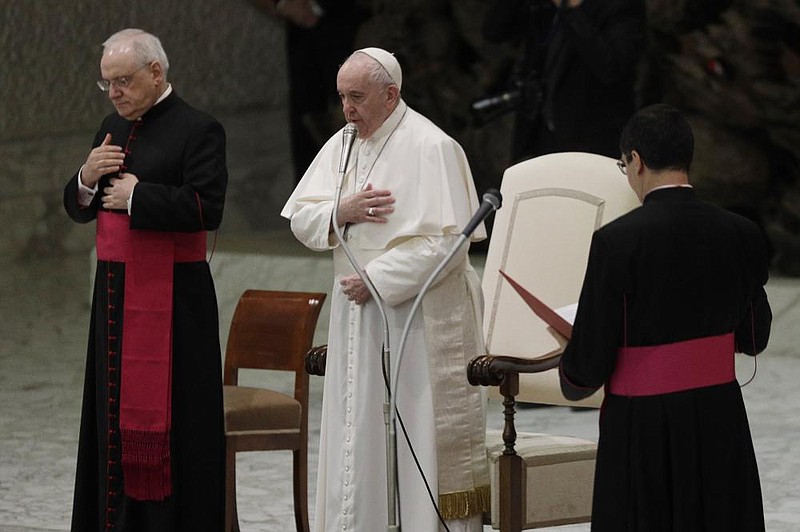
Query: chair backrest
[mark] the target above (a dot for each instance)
(552, 205)
(271, 330)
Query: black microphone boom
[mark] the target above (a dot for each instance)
(492, 200)
(348, 137)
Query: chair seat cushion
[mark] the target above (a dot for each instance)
(259, 409)
(559, 472)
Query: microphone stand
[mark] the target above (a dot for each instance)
(391, 430)
(406, 327)
(493, 199)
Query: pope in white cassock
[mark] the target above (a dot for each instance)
(406, 196)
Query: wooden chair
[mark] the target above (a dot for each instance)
(269, 331)
(541, 237)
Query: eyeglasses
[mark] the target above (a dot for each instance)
(623, 167)
(121, 82)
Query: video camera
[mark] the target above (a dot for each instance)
(524, 92)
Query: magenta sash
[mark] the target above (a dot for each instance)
(146, 380)
(675, 367)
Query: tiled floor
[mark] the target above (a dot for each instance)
(43, 325)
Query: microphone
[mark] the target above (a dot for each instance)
(348, 137)
(492, 200)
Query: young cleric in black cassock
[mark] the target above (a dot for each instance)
(178, 154)
(672, 270)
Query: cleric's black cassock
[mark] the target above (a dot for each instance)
(178, 155)
(674, 269)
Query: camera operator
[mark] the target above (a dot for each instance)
(573, 89)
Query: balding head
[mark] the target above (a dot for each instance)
(144, 47)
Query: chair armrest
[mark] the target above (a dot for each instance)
(315, 360)
(504, 371)
(493, 370)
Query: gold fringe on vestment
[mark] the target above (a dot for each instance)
(461, 504)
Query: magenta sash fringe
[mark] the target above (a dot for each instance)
(146, 380)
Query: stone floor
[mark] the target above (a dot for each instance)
(43, 323)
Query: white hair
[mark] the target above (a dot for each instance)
(145, 46)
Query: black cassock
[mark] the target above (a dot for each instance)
(178, 155)
(672, 270)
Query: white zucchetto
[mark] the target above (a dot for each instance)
(387, 61)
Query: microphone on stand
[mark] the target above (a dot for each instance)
(349, 134)
(348, 137)
(492, 200)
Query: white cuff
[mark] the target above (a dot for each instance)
(130, 201)
(85, 194)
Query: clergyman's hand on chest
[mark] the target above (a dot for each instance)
(104, 159)
(116, 195)
(369, 205)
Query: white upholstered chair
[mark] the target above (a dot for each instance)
(551, 206)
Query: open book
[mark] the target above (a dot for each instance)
(560, 320)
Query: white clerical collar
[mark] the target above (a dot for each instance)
(662, 187)
(164, 94)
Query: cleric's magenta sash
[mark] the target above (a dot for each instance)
(146, 380)
(675, 367)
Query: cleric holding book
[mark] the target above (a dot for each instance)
(672, 290)
(406, 195)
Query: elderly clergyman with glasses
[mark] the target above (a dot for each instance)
(151, 455)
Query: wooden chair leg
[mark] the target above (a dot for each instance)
(300, 472)
(512, 492)
(231, 516)
(512, 466)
